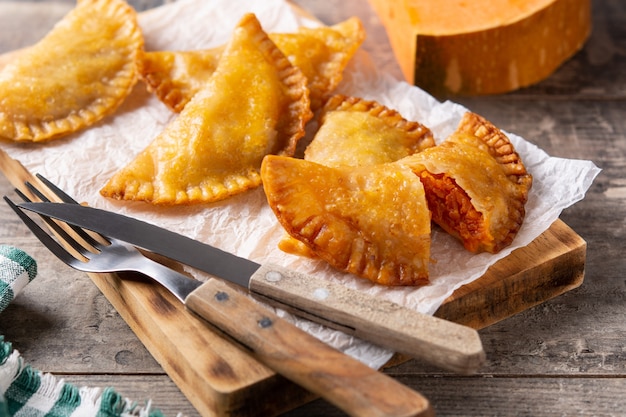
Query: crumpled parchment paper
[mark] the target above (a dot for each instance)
(81, 163)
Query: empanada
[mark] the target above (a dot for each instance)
(256, 103)
(476, 185)
(176, 76)
(81, 71)
(321, 53)
(358, 132)
(370, 221)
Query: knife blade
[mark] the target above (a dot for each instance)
(342, 380)
(440, 342)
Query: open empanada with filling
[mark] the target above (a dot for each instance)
(371, 221)
(80, 72)
(476, 184)
(256, 103)
(321, 53)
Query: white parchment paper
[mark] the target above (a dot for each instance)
(245, 225)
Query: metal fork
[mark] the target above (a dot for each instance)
(343, 381)
(99, 254)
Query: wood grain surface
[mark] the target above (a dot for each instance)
(563, 357)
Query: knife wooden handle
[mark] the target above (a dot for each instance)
(343, 381)
(439, 342)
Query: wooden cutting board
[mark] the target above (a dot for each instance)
(219, 377)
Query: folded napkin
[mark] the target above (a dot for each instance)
(26, 392)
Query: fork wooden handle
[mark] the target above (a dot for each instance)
(343, 381)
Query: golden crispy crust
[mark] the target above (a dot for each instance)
(358, 132)
(215, 146)
(80, 72)
(370, 221)
(321, 54)
(498, 145)
(175, 77)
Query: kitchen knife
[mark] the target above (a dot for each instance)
(439, 342)
(342, 380)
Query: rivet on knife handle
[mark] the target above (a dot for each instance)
(440, 342)
(345, 382)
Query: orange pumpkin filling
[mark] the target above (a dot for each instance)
(452, 209)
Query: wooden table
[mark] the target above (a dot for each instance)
(563, 357)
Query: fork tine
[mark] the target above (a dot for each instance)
(21, 195)
(33, 190)
(56, 190)
(58, 229)
(58, 250)
(66, 198)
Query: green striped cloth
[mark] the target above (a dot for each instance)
(16, 270)
(26, 392)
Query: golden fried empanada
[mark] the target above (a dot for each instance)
(176, 76)
(81, 71)
(476, 185)
(256, 103)
(359, 132)
(370, 221)
(321, 53)
(7, 57)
